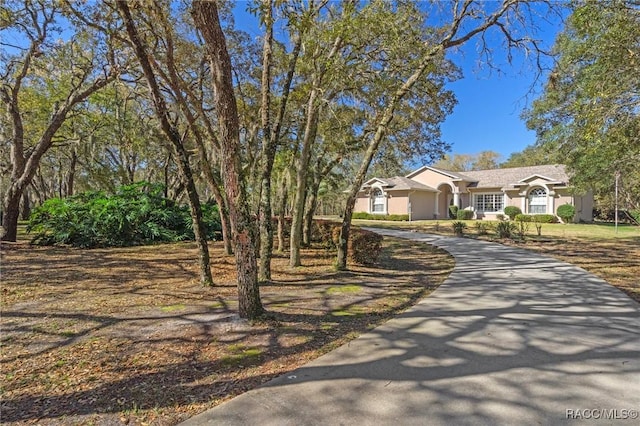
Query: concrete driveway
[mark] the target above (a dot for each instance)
(511, 337)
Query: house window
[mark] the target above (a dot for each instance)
(489, 202)
(538, 201)
(377, 201)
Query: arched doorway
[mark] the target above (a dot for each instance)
(445, 199)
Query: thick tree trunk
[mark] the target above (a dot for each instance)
(11, 214)
(207, 21)
(172, 134)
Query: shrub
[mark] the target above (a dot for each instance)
(537, 222)
(512, 211)
(361, 215)
(453, 212)
(369, 216)
(544, 218)
(458, 228)
(465, 214)
(635, 215)
(136, 214)
(522, 226)
(482, 228)
(364, 246)
(505, 229)
(500, 217)
(523, 218)
(566, 212)
(323, 232)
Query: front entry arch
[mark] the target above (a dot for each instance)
(445, 199)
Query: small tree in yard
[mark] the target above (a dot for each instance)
(566, 212)
(538, 224)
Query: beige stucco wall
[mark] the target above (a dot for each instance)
(423, 205)
(397, 202)
(582, 203)
(362, 204)
(584, 207)
(431, 178)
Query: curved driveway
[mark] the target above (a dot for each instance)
(511, 337)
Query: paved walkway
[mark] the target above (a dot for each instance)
(510, 338)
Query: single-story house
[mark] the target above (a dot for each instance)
(428, 192)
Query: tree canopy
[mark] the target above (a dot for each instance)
(589, 110)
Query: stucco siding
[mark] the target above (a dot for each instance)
(362, 204)
(423, 205)
(397, 202)
(431, 178)
(584, 207)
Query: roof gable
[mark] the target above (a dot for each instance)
(397, 183)
(452, 175)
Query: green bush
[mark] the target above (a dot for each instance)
(566, 212)
(635, 214)
(453, 211)
(465, 215)
(364, 246)
(523, 218)
(500, 217)
(522, 228)
(544, 218)
(136, 214)
(458, 227)
(505, 229)
(482, 228)
(369, 216)
(512, 211)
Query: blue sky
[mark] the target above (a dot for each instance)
(490, 103)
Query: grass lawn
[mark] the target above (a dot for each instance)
(128, 336)
(615, 257)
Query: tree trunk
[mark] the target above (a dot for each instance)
(268, 151)
(172, 134)
(25, 207)
(207, 22)
(11, 214)
(71, 173)
(310, 131)
(281, 215)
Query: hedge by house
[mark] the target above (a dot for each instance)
(545, 218)
(465, 214)
(369, 216)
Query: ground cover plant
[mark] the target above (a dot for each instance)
(128, 335)
(596, 247)
(135, 214)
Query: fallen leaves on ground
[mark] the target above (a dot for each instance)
(129, 336)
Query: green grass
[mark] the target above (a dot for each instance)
(172, 308)
(345, 289)
(598, 231)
